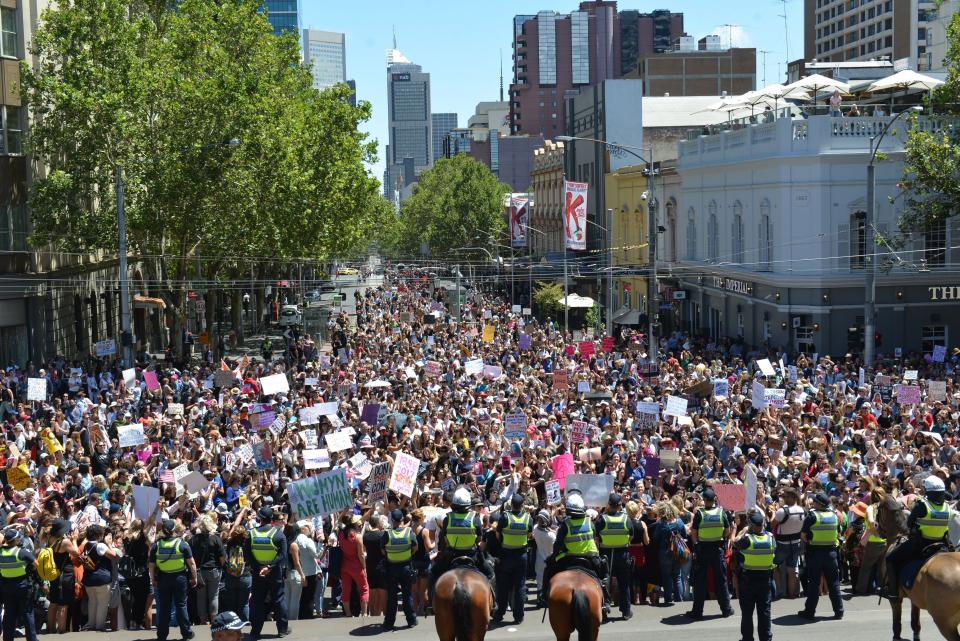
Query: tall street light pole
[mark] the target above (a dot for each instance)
(870, 271)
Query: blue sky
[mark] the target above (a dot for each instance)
(459, 43)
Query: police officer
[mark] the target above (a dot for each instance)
(513, 528)
(616, 532)
(575, 540)
(756, 549)
(169, 562)
(265, 551)
(820, 531)
(711, 527)
(458, 536)
(17, 568)
(928, 523)
(399, 545)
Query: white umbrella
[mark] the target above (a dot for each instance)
(574, 301)
(904, 80)
(817, 83)
(779, 92)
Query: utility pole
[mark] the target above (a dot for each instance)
(764, 52)
(459, 313)
(126, 337)
(610, 272)
(566, 291)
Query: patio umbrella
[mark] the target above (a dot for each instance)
(777, 92)
(817, 84)
(904, 81)
(575, 301)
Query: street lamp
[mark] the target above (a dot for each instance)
(530, 266)
(870, 275)
(616, 149)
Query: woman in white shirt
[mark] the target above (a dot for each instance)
(544, 537)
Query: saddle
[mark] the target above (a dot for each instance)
(909, 572)
(464, 562)
(578, 564)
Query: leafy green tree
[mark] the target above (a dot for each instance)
(931, 180)
(457, 203)
(547, 297)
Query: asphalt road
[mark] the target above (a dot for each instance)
(864, 620)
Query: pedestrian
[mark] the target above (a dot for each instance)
(616, 531)
(170, 560)
(875, 547)
(209, 556)
(265, 551)
(821, 531)
(98, 555)
(514, 528)
(399, 545)
(709, 533)
(756, 549)
(18, 575)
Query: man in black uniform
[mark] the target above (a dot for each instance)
(459, 536)
(615, 530)
(265, 551)
(513, 528)
(169, 560)
(18, 568)
(821, 532)
(399, 546)
(709, 533)
(756, 550)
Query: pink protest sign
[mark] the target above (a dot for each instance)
(587, 349)
(562, 466)
(150, 377)
(908, 394)
(569, 350)
(731, 497)
(608, 344)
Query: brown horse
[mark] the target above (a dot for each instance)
(575, 601)
(462, 604)
(936, 588)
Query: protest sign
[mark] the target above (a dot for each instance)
(263, 454)
(775, 397)
(908, 394)
(766, 367)
(939, 353)
(432, 368)
(377, 482)
(145, 499)
(588, 454)
(730, 497)
(561, 380)
(320, 495)
(274, 384)
(750, 489)
(488, 333)
(669, 458)
(569, 350)
(18, 477)
(327, 409)
(721, 387)
(309, 415)
(309, 438)
(910, 375)
(525, 341)
(578, 433)
(583, 387)
(607, 344)
(194, 482)
(493, 372)
(338, 441)
(129, 377)
(595, 488)
(179, 472)
(404, 474)
(222, 378)
(360, 466)
(106, 347)
(587, 349)
(676, 406)
(473, 367)
(150, 378)
(553, 492)
(651, 467)
(448, 484)
(131, 435)
(262, 420)
(316, 459)
(370, 413)
(562, 465)
(792, 373)
(937, 390)
(758, 395)
(861, 377)
(515, 426)
(175, 409)
(36, 389)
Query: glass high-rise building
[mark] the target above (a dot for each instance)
(284, 15)
(410, 119)
(442, 124)
(325, 54)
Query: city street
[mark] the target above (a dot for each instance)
(865, 620)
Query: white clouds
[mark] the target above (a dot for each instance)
(734, 34)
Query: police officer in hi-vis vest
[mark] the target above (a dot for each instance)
(459, 536)
(756, 549)
(265, 551)
(616, 532)
(170, 560)
(513, 528)
(821, 532)
(399, 545)
(928, 523)
(17, 567)
(709, 533)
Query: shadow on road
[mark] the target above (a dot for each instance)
(368, 630)
(794, 620)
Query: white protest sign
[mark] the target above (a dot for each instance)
(274, 384)
(245, 452)
(750, 494)
(309, 438)
(338, 441)
(775, 397)
(595, 488)
(676, 406)
(937, 390)
(404, 475)
(36, 389)
(327, 409)
(758, 396)
(377, 482)
(792, 373)
(360, 465)
(321, 495)
(553, 492)
(131, 435)
(721, 387)
(105, 347)
(145, 499)
(766, 367)
(473, 367)
(910, 375)
(309, 415)
(515, 426)
(194, 482)
(316, 459)
(130, 377)
(578, 433)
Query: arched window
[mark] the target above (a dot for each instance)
(766, 237)
(713, 238)
(737, 234)
(691, 234)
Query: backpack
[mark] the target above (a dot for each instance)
(679, 551)
(89, 564)
(46, 565)
(235, 564)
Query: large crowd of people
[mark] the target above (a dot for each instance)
(173, 484)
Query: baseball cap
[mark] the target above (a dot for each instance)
(227, 621)
(756, 517)
(265, 513)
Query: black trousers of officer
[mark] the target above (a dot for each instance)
(271, 584)
(710, 555)
(171, 595)
(18, 602)
(822, 561)
(621, 568)
(755, 592)
(399, 579)
(511, 584)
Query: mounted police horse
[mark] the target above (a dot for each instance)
(576, 603)
(462, 605)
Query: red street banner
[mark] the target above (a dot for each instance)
(575, 214)
(608, 344)
(519, 220)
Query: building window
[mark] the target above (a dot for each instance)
(691, 235)
(935, 243)
(740, 324)
(858, 240)
(713, 238)
(8, 33)
(11, 130)
(931, 335)
(766, 240)
(737, 233)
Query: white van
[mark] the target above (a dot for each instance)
(290, 316)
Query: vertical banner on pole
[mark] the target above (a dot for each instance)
(575, 214)
(519, 219)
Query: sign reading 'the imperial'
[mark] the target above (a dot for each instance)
(733, 285)
(944, 292)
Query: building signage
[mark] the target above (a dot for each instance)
(733, 285)
(680, 294)
(944, 292)
(401, 77)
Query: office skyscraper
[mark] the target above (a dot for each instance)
(410, 119)
(284, 15)
(442, 125)
(325, 54)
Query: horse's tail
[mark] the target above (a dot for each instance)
(580, 615)
(461, 610)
